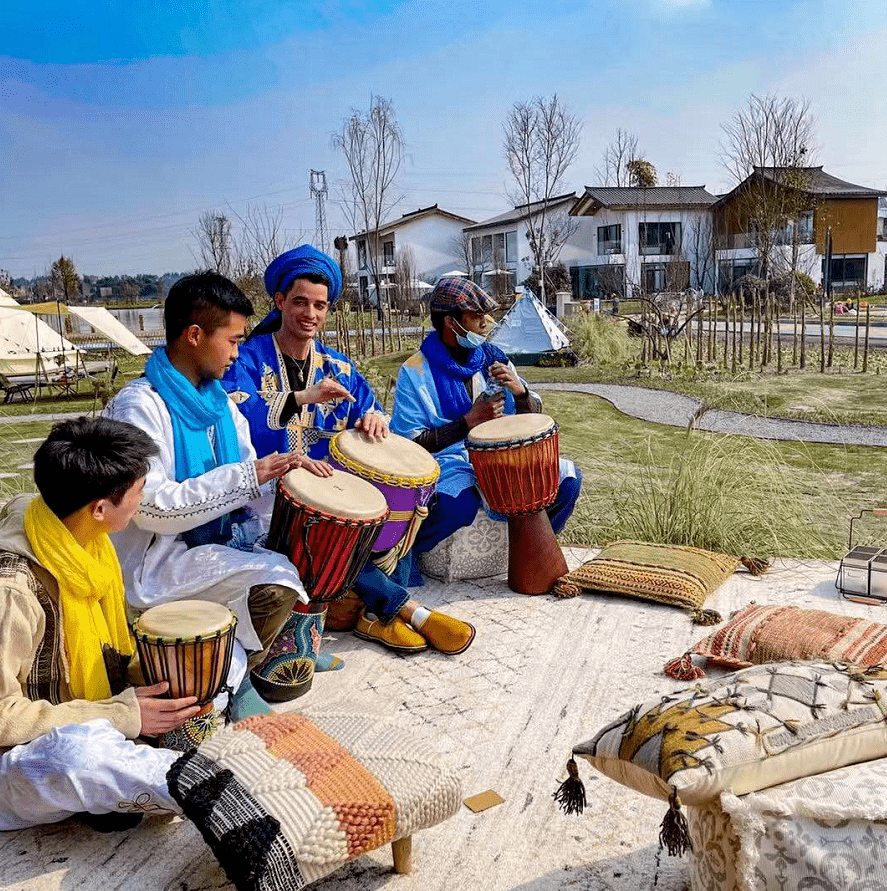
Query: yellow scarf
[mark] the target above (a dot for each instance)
(91, 594)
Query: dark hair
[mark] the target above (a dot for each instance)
(89, 458)
(438, 317)
(206, 299)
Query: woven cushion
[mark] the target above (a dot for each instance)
(759, 634)
(477, 551)
(283, 800)
(669, 574)
(823, 832)
(758, 727)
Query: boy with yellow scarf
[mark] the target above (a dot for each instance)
(67, 717)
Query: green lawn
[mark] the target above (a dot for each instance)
(831, 482)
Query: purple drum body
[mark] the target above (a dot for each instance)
(404, 472)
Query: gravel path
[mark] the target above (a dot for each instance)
(675, 410)
(27, 419)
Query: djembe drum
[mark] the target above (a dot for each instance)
(405, 473)
(517, 465)
(327, 527)
(189, 644)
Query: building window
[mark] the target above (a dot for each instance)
(361, 254)
(657, 277)
(364, 286)
(847, 272)
(511, 246)
(598, 281)
(388, 253)
(659, 238)
(609, 239)
(730, 271)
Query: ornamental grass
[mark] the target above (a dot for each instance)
(601, 340)
(726, 494)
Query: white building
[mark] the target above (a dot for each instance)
(500, 247)
(655, 239)
(429, 236)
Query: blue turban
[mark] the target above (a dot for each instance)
(304, 260)
(285, 269)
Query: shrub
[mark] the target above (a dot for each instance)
(599, 339)
(721, 496)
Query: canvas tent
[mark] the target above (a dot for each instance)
(112, 328)
(6, 300)
(29, 348)
(528, 331)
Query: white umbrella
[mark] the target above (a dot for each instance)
(452, 273)
(419, 285)
(499, 272)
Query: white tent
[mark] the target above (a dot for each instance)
(453, 273)
(112, 328)
(527, 331)
(23, 335)
(6, 300)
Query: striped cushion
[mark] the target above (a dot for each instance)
(677, 576)
(759, 634)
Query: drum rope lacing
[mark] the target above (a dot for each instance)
(380, 476)
(502, 445)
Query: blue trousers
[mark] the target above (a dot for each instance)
(383, 596)
(449, 513)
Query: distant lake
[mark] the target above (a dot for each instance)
(142, 322)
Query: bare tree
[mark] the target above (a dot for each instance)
(215, 247)
(541, 139)
(617, 155)
(373, 146)
(770, 143)
(701, 244)
(473, 261)
(261, 238)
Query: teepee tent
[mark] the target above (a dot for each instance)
(6, 300)
(30, 347)
(528, 331)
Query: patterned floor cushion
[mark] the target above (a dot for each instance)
(758, 634)
(677, 576)
(477, 551)
(756, 728)
(283, 800)
(827, 832)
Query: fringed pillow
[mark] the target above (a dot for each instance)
(751, 730)
(670, 574)
(758, 634)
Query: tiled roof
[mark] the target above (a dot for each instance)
(818, 182)
(632, 196)
(521, 212)
(415, 214)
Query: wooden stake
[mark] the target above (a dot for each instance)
(865, 346)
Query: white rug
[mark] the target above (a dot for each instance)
(541, 675)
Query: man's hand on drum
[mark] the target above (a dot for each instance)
(373, 426)
(275, 465)
(507, 379)
(485, 408)
(328, 390)
(161, 715)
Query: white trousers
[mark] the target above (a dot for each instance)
(89, 767)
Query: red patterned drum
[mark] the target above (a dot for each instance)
(516, 462)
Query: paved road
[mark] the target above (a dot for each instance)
(675, 410)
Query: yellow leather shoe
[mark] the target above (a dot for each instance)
(447, 635)
(396, 634)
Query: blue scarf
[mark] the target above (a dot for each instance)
(193, 410)
(450, 376)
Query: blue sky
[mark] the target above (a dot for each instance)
(121, 123)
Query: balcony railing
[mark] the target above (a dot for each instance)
(661, 249)
(609, 247)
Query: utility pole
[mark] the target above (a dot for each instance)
(318, 189)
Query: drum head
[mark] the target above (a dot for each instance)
(395, 456)
(513, 428)
(184, 618)
(341, 495)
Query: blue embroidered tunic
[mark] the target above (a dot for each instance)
(257, 382)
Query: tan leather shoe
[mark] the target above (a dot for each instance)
(446, 634)
(396, 634)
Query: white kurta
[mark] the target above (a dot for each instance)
(157, 565)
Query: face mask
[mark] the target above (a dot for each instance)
(470, 340)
